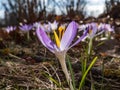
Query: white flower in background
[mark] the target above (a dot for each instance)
(53, 25)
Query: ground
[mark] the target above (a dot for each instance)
(30, 66)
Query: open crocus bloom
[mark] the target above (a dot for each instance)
(25, 27)
(94, 29)
(62, 44)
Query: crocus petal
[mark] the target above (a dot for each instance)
(80, 39)
(81, 27)
(25, 27)
(10, 28)
(46, 41)
(109, 28)
(94, 26)
(30, 27)
(68, 36)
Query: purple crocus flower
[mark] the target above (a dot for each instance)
(10, 28)
(65, 42)
(62, 45)
(26, 27)
(94, 30)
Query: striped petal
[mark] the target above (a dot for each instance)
(46, 41)
(68, 36)
(80, 39)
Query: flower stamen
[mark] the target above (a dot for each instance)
(61, 32)
(56, 38)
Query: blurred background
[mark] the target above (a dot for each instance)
(12, 12)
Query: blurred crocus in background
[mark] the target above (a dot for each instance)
(62, 45)
(47, 27)
(95, 29)
(82, 27)
(92, 32)
(108, 29)
(26, 28)
(53, 25)
(36, 24)
(10, 28)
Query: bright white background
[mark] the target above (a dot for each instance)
(93, 7)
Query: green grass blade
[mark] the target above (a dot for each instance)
(53, 80)
(85, 74)
(84, 66)
(71, 73)
(99, 44)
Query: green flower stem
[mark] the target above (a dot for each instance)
(102, 74)
(109, 34)
(61, 58)
(28, 35)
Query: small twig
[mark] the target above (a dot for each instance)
(56, 74)
(13, 56)
(48, 72)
